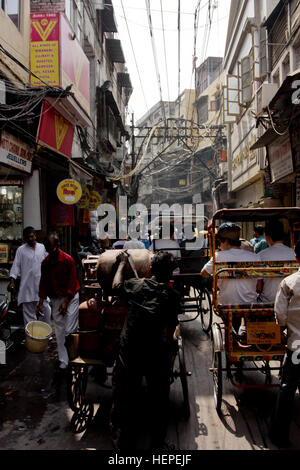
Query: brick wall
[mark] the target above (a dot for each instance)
(47, 5)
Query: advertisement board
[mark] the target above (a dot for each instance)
(44, 48)
(55, 131)
(14, 152)
(74, 65)
(57, 57)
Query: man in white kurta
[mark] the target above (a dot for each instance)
(27, 264)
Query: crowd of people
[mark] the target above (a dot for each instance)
(49, 290)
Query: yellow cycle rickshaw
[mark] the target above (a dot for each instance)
(265, 341)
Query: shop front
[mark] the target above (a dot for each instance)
(15, 170)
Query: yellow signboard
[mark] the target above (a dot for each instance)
(85, 199)
(95, 200)
(44, 62)
(263, 333)
(69, 191)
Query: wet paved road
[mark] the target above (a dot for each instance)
(31, 417)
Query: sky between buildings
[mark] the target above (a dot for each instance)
(137, 46)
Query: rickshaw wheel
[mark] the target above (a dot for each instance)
(76, 387)
(183, 379)
(217, 378)
(205, 310)
(82, 417)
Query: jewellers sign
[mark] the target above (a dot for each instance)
(14, 152)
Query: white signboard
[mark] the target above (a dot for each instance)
(14, 152)
(281, 160)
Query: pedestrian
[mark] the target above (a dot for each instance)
(259, 242)
(133, 244)
(27, 264)
(287, 313)
(146, 348)
(276, 251)
(59, 282)
(233, 291)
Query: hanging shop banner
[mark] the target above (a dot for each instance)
(55, 131)
(61, 215)
(69, 191)
(95, 200)
(281, 160)
(74, 65)
(44, 48)
(57, 57)
(85, 198)
(14, 152)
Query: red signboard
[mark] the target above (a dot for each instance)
(61, 215)
(55, 131)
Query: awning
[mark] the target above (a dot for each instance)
(80, 174)
(283, 99)
(274, 14)
(124, 80)
(110, 101)
(71, 110)
(269, 136)
(115, 50)
(108, 19)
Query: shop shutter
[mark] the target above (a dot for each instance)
(277, 36)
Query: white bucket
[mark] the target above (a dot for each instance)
(37, 336)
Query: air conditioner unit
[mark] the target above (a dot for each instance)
(264, 95)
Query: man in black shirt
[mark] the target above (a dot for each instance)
(146, 348)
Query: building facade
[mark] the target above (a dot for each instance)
(64, 91)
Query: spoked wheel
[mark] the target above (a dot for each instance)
(183, 379)
(217, 378)
(77, 383)
(205, 310)
(82, 417)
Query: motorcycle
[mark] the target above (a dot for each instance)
(7, 320)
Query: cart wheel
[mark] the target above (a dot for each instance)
(205, 310)
(183, 379)
(77, 383)
(82, 417)
(217, 378)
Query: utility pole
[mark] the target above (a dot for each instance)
(132, 142)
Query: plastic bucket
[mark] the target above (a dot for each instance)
(37, 336)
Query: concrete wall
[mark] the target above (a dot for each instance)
(16, 43)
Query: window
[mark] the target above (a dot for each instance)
(246, 79)
(73, 10)
(202, 108)
(215, 104)
(13, 9)
(263, 51)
